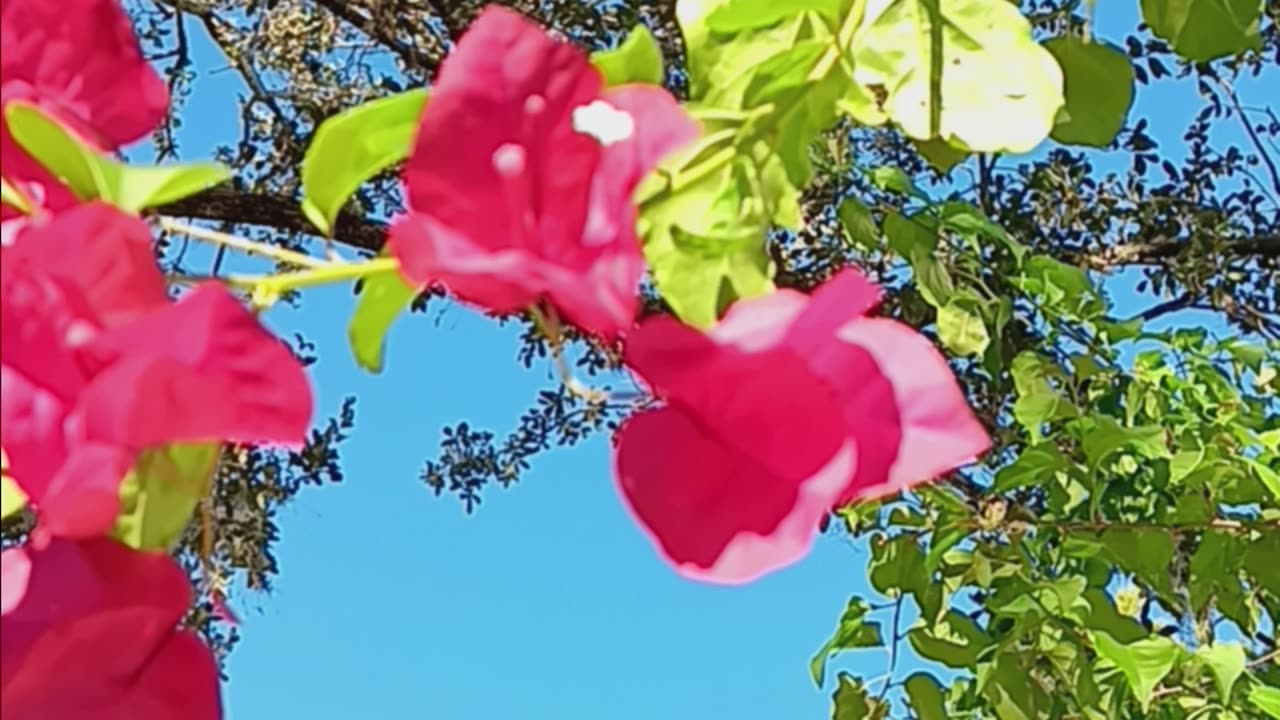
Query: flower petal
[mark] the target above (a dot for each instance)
(103, 615)
(938, 430)
(80, 59)
(732, 476)
(203, 368)
(507, 86)
(103, 252)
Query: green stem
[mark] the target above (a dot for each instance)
(327, 274)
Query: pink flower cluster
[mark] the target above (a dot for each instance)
(98, 365)
(520, 191)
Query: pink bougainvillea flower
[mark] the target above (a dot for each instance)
(790, 406)
(97, 365)
(521, 179)
(90, 630)
(79, 61)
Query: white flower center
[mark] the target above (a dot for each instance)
(604, 122)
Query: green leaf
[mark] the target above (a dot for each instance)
(1144, 663)
(158, 497)
(924, 694)
(781, 76)
(852, 632)
(12, 499)
(1037, 401)
(738, 15)
(858, 224)
(850, 701)
(353, 146)
(960, 327)
(941, 155)
(637, 60)
(1036, 465)
(93, 175)
(1106, 437)
(1145, 552)
(719, 65)
(1002, 90)
(1266, 699)
(893, 179)
(1103, 616)
(955, 641)
(1269, 478)
(1065, 286)
(1203, 30)
(383, 298)
(897, 566)
(1098, 80)
(705, 243)
(1226, 661)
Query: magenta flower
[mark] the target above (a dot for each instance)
(521, 179)
(89, 630)
(789, 407)
(79, 61)
(97, 365)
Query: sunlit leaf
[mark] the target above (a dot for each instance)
(1226, 661)
(352, 147)
(966, 71)
(382, 299)
(637, 60)
(738, 15)
(955, 641)
(1144, 663)
(960, 327)
(851, 702)
(94, 175)
(1266, 699)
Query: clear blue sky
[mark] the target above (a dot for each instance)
(547, 603)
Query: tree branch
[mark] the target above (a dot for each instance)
(238, 207)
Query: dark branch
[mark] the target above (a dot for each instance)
(229, 205)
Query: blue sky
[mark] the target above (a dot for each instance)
(545, 604)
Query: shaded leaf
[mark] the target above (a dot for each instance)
(1098, 81)
(852, 632)
(1202, 30)
(160, 494)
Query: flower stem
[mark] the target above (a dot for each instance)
(243, 244)
(549, 323)
(324, 274)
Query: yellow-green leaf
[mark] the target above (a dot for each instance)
(351, 147)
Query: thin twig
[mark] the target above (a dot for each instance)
(242, 244)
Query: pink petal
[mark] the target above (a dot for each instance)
(104, 253)
(498, 281)
(15, 572)
(508, 85)
(604, 301)
(83, 497)
(80, 59)
(731, 477)
(94, 636)
(938, 430)
(203, 368)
